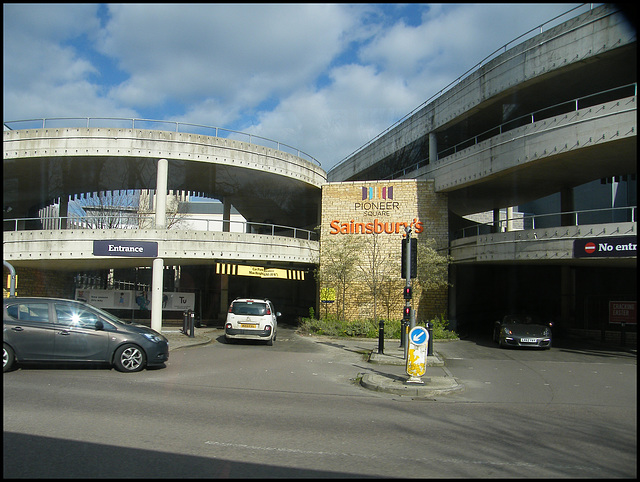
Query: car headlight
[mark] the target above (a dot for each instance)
(506, 331)
(152, 337)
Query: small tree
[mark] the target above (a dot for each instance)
(380, 272)
(109, 209)
(339, 267)
(146, 210)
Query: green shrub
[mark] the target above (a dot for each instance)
(392, 329)
(440, 332)
(328, 326)
(362, 328)
(331, 326)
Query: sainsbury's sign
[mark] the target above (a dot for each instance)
(375, 202)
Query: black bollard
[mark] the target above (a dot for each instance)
(191, 323)
(430, 344)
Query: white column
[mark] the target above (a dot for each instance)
(156, 294)
(161, 194)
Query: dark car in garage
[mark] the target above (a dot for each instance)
(59, 330)
(522, 330)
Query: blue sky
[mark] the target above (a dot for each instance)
(324, 78)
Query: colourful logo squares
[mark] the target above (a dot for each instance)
(377, 192)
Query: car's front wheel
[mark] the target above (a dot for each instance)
(8, 357)
(129, 358)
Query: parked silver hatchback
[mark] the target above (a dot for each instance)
(251, 319)
(58, 330)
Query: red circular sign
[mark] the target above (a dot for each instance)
(590, 248)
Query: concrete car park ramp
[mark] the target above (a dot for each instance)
(261, 182)
(266, 185)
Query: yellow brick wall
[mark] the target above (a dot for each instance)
(412, 202)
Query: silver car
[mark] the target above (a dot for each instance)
(522, 331)
(58, 330)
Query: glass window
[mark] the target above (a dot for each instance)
(29, 311)
(248, 308)
(75, 316)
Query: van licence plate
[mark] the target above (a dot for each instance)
(246, 325)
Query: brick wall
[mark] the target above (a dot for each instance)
(387, 207)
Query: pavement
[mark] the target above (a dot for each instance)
(388, 369)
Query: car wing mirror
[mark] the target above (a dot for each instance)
(99, 325)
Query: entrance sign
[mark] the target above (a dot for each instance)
(138, 249)
(417, 355)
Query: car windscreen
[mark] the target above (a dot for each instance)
(248, 308)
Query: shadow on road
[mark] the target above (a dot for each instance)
(59, 458)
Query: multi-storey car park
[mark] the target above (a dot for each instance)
(532, 151)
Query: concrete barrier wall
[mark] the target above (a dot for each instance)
(139, 143)
(549, 244)
(74, 248)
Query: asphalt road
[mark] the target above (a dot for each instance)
(296, 410)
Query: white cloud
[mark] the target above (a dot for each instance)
(235, 54)
(44, 75)
(325, 78)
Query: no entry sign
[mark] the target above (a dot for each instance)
(611, 247)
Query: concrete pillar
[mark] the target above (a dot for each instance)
(224, 297)
(156, 294)
(510, 218)
(496, 221)
(161, 194)
(568, 298)
(226, 215)
(433, 148)
(63, 211)
(567, 206)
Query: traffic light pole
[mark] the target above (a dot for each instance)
(407, 312)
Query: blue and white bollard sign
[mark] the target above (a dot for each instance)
(417, 354)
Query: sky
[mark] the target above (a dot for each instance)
(324, 78)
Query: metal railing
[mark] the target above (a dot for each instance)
(135, 222)
(569, 106)
(152, 124)
(552, 220)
